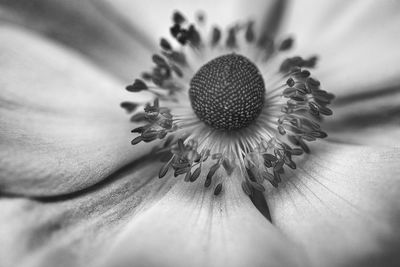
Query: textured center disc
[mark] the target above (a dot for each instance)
(227, 93)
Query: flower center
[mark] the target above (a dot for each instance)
(227, 93)
(231, 121)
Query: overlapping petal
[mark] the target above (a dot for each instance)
(342, 206)
(357, 42)
(138, 220)
(62, 133)
(367, 120)
(190, 226)
(357, 45)
(77, 229)
(61, 125)
(96, 33)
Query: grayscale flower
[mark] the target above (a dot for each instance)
(224, 111)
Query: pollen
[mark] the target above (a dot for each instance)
(227, 93)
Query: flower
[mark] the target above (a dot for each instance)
(217, 105)
(74, 192)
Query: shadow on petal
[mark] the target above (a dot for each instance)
(190, 226)
(370, 118)
(62, 127)
(97, 34)
(76, 230)
(356, 41)
(342, 205)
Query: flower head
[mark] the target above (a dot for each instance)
(232, 95)
(74, 192)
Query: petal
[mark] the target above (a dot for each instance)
(62, 127)
(98, 34)
(357, 42)
(192, 227)
(136, 220)
(379, 136)
(75, 230)
(372, 120)
(357, 45)
(342, 206)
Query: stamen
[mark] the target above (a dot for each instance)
(175, 30)
(212, 171)
(137, 86)
(250, 36)
(165, 44)
(193, 36)
(286, 44)
(218, 189)
(129, 106)
(200, 17)
(238, 110)
(231, 40)
(216, 36)
(178, 18)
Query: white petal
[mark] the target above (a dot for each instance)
(371, 120)
(380, 135)
(97, 33)
(139, 220)
(77, 229)
(62, 127)
(357, 42)
(192, 227)
(342, 205)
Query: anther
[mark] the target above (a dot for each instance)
(215, 36)
(137, 86)
(249, 35)
(193, 36)
(175, 30)
(290, 82)
(212, 171)
(129, 106)
(218, 189)
(195, 174)
(207, 182)
(286, 44)
(158, 60)
(231, 40)
(178, 18)
(200, 17)
(138, 117)
(165, 44)
(164, 169)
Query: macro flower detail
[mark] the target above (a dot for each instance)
(74, 191)
(232, 97)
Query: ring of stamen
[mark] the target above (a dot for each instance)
(231, 120)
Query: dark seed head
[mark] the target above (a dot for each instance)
(227, 93)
